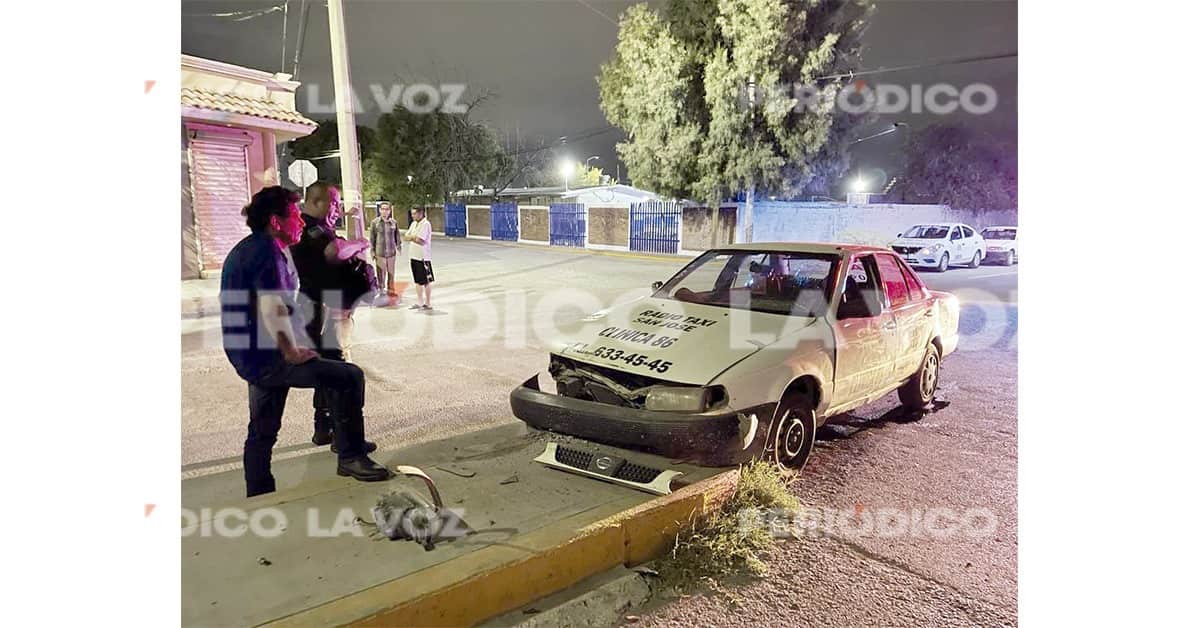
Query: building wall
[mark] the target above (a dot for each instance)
(875, 224)
(437, 218)
(535, 224)
(479, 221)
(608, 226)
(704, 228)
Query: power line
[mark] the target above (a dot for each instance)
(918, 66)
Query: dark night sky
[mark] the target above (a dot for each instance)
(540, 58)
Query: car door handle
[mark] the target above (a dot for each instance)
(889, 325)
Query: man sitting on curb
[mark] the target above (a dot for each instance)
(259, 331)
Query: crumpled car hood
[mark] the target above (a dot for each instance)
(688, 343)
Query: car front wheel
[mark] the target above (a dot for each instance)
(790, 439)
(917, 393)
(1008, 258)
(944, 263)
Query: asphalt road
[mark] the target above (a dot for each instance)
(433, 375)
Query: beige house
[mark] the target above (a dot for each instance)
(233, 119)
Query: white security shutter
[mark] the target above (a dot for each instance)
(221, 185)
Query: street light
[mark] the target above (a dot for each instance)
(567, 168)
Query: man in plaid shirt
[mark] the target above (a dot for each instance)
(385, 239)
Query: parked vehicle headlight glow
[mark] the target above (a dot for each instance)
(683, 398)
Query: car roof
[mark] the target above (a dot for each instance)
(802, 247)
(938, 224)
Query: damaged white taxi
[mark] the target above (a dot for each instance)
(745, 352)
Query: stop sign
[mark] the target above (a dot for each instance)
(302, 173)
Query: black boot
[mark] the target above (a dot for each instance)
(362, 469)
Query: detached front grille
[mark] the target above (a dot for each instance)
(618, 468)
(609, 468)
(906, 250)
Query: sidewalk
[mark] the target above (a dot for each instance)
(344, 577)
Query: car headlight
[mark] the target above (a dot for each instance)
(925, 251)
(684, 398)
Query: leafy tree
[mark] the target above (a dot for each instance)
(706, 92)
(323, 142)
(955, 165)
(420, 157)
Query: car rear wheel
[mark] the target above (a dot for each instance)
(790, 439)
(944, 263)
(1008, 258)
(975, 260)
(917, 393)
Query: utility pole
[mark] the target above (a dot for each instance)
(748, 235)
(347, 132)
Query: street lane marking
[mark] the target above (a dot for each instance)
(993, 275)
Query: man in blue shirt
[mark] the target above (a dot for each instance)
(263, 341)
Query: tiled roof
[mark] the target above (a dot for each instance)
(231, 103)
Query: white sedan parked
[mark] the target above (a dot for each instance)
(939, 245)
(1001, 245)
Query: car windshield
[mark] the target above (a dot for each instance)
(794, 284)
(927, 232)
(999, 234)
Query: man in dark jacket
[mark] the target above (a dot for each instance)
(266, 345)
(318, 256)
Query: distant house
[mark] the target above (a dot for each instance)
(232, 119)
(609, 196)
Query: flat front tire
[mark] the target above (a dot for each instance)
(917, 393)
(793, 430)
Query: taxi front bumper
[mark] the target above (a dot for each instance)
(712, 438)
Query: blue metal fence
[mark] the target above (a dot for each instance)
(504, 221)
(456, 220)
(568, 224)
(654, 226)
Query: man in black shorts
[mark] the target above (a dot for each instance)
(420, 255)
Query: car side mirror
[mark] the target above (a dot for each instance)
(899, 235)
(656, 285)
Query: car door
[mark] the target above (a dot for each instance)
(912, 310)
(974, 243)
(865, 333)
(956, 244)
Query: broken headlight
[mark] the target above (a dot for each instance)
(684, 398)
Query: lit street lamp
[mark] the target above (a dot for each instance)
(567, 168)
